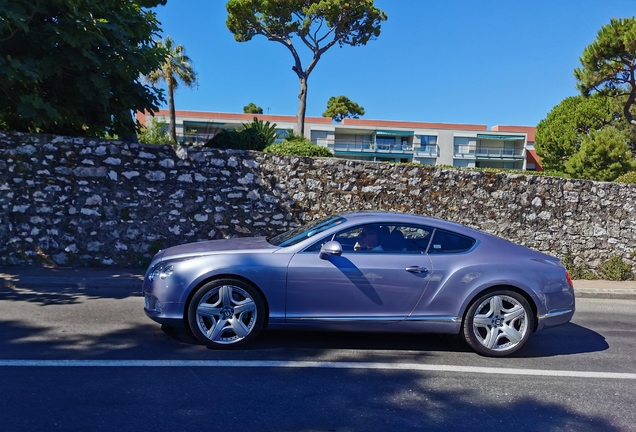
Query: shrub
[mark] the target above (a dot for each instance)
(290, 135)
(256, 136)
(603, 156)
(629, 177)
(576, 271)
(302, 147)
(267, 131)
(154, 133)
(246, 139)
(616, 269)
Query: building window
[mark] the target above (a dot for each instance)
(385, 140)
(464, 147)
(427, 139)
(280, 135)
(347, 138)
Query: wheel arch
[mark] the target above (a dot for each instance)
(507, 287)
(212, 278)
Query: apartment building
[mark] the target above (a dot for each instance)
(461, 145)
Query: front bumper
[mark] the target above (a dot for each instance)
(170, 314)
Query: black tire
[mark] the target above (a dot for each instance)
(498, 323)
(226, 313)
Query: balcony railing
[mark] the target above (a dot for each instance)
(430, 150)
(394, 148)
(348, 146)
(464, 151)
(471, 152)
(499, 153)
(191, 138)
(343, 146)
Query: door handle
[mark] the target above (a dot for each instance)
(416, 269)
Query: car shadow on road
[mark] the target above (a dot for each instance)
(563, 340)
(64, 295)
(358, 341)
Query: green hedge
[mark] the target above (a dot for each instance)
(629, 177)
(298, 148)
(616, 269)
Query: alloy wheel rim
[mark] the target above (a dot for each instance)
(226, 314)
(500, 323)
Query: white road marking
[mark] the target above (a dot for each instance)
(317, 364)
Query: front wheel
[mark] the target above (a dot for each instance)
(226, 313)
(498, 323)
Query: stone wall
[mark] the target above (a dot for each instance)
(77, 201)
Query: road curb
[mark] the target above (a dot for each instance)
(614, 294)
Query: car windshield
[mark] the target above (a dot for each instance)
(298, 234)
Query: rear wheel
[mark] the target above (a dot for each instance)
(498, 323)
(226, 313)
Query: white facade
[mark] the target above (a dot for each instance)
(380, 140)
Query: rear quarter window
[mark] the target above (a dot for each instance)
(446, 242)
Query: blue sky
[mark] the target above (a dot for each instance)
(480, 62)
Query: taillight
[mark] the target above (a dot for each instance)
(567, 276)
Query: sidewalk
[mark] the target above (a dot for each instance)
(605, 289)
(28, 277)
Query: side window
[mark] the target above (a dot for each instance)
(416, 238)
(385, 238)
(318, 245)
(349, 239)
(446, 242)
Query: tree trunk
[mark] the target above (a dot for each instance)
(630, 101)
(130, 134)
(302, 106)
(173, 116)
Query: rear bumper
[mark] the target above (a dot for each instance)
(555, 318)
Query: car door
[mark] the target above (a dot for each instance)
(383, 284)
(449, 255)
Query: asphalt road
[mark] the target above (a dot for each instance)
(111, 368)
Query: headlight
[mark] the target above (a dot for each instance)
(161, 272)
(155, 273)
(167, 272)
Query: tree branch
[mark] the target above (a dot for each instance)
(298, 68)
(14, 32)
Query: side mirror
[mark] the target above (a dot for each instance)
(330, 248)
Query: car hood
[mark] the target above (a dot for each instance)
(234, 245)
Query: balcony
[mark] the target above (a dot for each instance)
(464, 152)
(394, 148)
(499, 153)
(363, 147)
(348, 146)
(431, 150)
(194, 138)
(471, 152)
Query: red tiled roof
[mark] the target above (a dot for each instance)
(411, 124)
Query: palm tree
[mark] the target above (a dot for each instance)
(176, 67)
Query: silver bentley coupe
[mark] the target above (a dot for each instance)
(372, 272)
